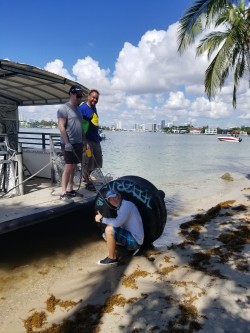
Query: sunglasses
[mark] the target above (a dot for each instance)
(79, 96)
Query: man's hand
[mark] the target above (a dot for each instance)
(98, 217)
(68, 147)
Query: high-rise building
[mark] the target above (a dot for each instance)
(119, 125)
(149, 127)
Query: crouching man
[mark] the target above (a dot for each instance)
(126, 229)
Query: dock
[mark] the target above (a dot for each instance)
(41, 203)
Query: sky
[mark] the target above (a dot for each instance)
(125, 49)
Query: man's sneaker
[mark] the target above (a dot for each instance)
(132, 253)
(66, 198)
(74, 194)
(107, 261)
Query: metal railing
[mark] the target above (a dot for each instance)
(37, 140)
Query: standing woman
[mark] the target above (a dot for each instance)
(93, 139)
(70, 126)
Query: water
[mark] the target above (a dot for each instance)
(188, 168)
(184, 166)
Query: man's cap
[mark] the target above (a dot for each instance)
(77, 90)
(111, 194)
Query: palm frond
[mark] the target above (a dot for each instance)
(230, 57)
(218, 70)
(211, 43)
(238, 74)
(191, 23)
(232, 44)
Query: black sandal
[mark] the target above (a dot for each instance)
(90, 187)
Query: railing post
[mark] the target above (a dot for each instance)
(20, 168)
(43, 141)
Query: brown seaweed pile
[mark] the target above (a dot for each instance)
(231, 241)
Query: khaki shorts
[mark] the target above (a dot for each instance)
(89, 164)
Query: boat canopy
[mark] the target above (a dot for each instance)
(25, 85)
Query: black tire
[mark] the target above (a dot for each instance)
(148, 199)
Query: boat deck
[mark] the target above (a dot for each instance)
(39, 204)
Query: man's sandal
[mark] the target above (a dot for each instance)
(90, 187)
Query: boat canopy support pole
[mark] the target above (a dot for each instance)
(19, 157)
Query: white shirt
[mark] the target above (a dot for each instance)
(129, 218)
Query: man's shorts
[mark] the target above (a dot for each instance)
(125, 238)
(73, 157)
(95, 161)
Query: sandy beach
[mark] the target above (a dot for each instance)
(50, 282)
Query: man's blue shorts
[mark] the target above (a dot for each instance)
(125, 238)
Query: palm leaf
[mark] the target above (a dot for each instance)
(199, 15)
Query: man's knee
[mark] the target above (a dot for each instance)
(109, 230)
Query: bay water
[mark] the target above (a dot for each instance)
(184, 166)
(188, 168)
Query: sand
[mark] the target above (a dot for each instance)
(198, 282)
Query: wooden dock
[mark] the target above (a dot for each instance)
(41, 203)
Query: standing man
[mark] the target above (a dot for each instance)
(93, 139)
(126, 229)
(70, 126)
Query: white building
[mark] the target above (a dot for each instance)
(211, 131)
(119, 125)
(196, 131)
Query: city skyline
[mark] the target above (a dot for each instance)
(152, 127)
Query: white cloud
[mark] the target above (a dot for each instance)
(56, 67)
(201, 107)
(154, 66)
(177, 101)
(151, 81)
(88, 73)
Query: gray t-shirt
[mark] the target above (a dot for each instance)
(73, 117)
